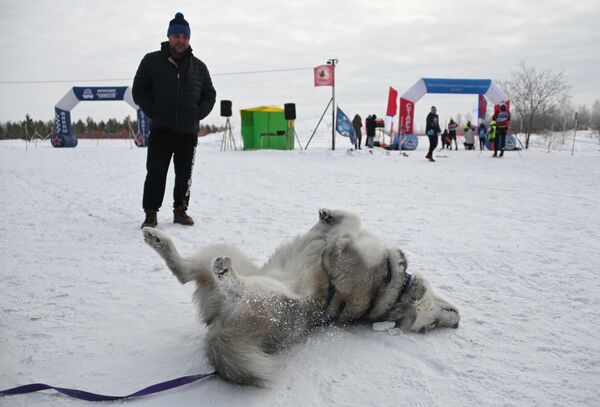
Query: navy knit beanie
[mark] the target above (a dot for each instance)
(178, 25)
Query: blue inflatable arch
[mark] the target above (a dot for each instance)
(485, 88)
(63, 134)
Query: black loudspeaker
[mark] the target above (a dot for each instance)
(226, 108)
(290, 111)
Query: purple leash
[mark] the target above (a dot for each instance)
(86, 395)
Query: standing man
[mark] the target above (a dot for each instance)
(502, 119)
(452, 127)
(174, 89)
(370, 126)
(357, 124)
(432, 129)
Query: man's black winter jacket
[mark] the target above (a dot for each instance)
(175, 95)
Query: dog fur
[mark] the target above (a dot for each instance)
(335, 273)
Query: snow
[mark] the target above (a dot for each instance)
(383, 326)
(514, 243)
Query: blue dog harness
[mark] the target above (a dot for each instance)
(406, 284)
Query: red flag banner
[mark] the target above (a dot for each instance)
(407, 116)
(324, 75)
(392, 102)
(482, 108)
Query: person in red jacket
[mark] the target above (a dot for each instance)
(502, 119)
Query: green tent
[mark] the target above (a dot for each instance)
(265, 127)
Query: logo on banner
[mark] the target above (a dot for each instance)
(406, 115)
(87, 94)
(61, 122)
(107, 93)
(324, 75)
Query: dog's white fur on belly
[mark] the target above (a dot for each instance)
(336, 272)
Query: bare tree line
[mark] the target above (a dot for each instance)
(541, 101)
(112, 128)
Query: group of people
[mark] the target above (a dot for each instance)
(175, 90)
(496, 132)
(370, 126)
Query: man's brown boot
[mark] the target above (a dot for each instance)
(179, 216)
(150, 220)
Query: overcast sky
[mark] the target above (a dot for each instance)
(379, 44)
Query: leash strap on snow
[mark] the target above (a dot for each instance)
(85, 395)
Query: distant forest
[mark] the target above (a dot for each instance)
(112, 128)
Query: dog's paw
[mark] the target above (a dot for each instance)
(327, 216)
(427, 328)
(221, 266)
(152, 238)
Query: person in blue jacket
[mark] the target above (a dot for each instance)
(432, 129)
(481, 132)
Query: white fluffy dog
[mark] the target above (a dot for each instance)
(335, 273)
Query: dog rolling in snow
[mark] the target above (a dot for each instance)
(335, 273)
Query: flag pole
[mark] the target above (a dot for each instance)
(333, 115)
(333, 62)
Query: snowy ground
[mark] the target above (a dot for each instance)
(514, 243)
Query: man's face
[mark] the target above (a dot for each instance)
(178, 44)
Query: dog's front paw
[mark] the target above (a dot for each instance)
(221, 266)
(151, 237)
(327, 216)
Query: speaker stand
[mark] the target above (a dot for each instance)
(291, 130)
(228, 141)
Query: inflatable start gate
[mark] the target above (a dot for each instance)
(485, 88)
(63, 135)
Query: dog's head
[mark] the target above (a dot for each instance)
(419, 309)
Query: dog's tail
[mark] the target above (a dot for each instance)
(238, 357)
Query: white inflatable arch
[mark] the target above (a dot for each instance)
(63, 134)
(485, 88)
